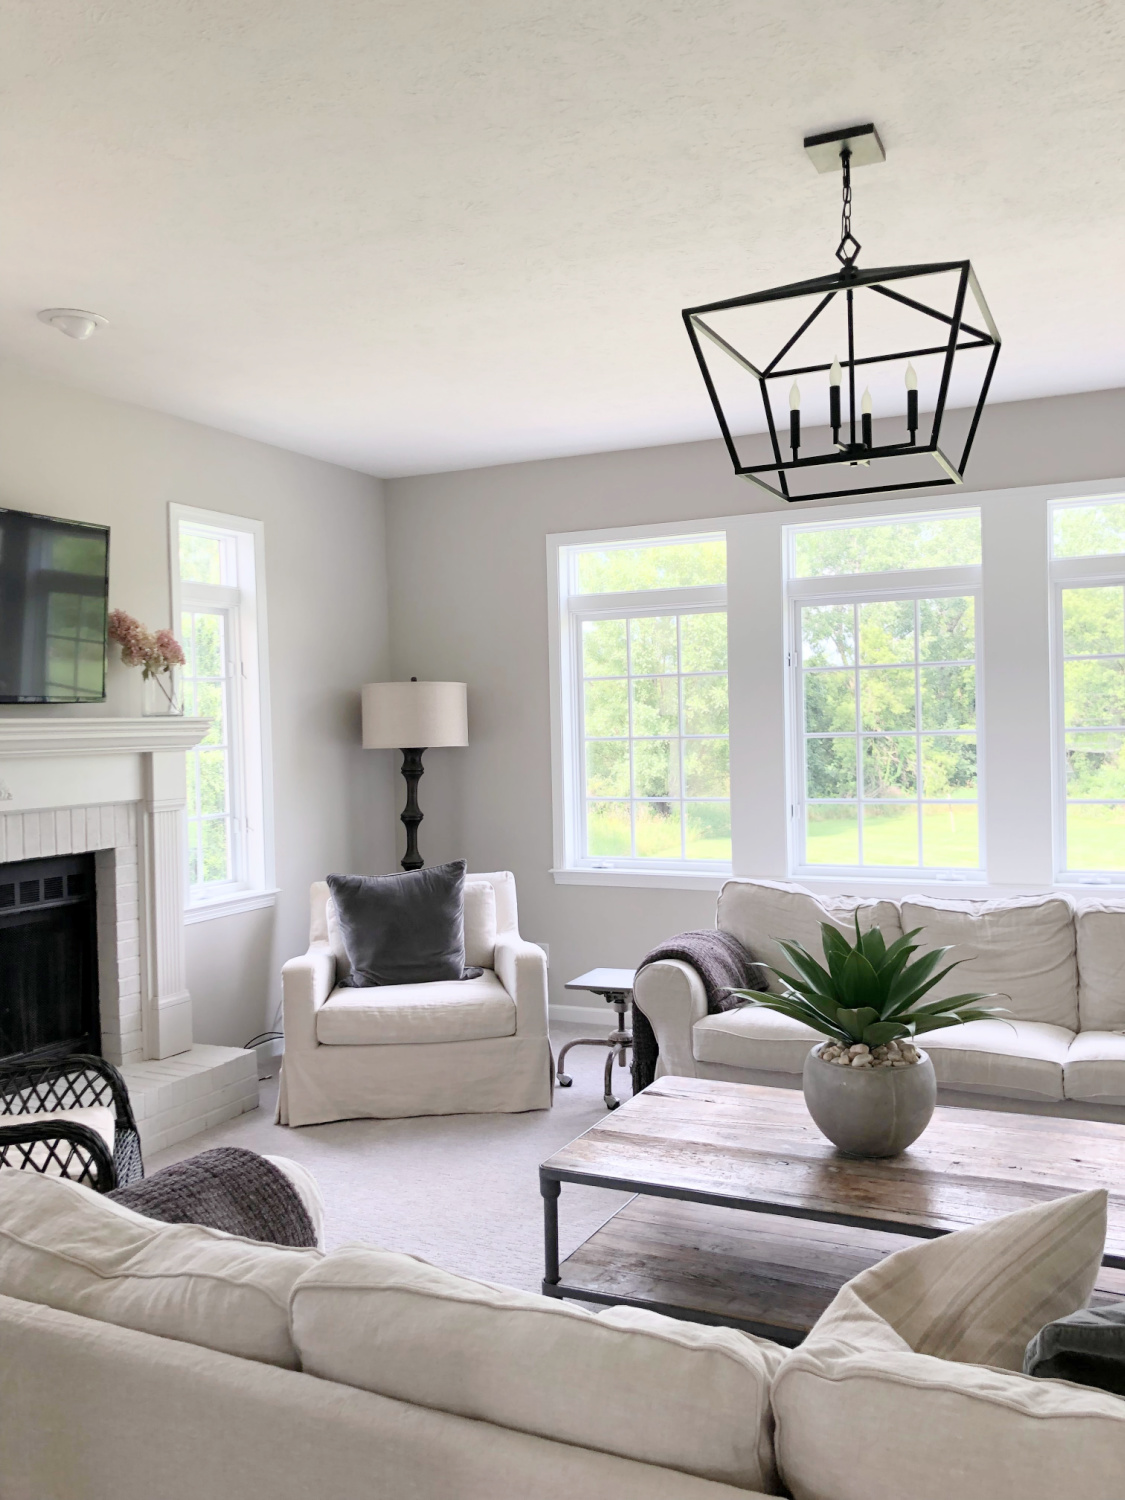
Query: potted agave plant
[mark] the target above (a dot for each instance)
(869, 1089)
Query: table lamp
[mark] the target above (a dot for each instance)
(412, 717)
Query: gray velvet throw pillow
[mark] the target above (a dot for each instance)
(403, 929)
(1087, 1348)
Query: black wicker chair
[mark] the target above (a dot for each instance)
(73, 1082)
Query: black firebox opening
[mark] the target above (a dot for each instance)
(49, 957)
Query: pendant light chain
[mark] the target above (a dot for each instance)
(849, 247)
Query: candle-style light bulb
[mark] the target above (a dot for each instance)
(912, 400)
(865, 411)
(795, 418)
(835, 375)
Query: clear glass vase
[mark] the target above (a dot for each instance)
(162, 694)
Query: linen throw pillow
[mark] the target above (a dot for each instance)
(876, 1404)
(402, 929)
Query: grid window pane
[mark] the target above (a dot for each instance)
(607, 768)
(656, 748)
(656, 705)
(607, 708)
(707, 768)
(1093, 621)
(950, 835)
(604, 653)
(890, 834)
(897, 732)
(707, 835)
(210, 812)
(832, 835)
(1095, 835)
(1093, 673)
(829, 701)
(608, 828)
(654, 645)
(658, 830)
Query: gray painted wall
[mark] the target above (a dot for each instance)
(468, 601)
(67, 453)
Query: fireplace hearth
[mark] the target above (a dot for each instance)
(49, 957)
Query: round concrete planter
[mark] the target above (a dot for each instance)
(870, 1111)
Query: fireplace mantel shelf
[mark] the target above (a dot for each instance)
(101, 736)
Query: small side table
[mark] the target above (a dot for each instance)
(615, 986)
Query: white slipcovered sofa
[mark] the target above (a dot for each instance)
(1059, 965)
(150, 1361)
(464, 1047)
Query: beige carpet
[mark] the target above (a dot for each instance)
(459, 1190)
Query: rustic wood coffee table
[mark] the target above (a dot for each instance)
(745, 1215)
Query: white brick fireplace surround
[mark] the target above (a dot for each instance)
(116, 787)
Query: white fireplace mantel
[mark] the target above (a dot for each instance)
(69, 785)
(87, 736)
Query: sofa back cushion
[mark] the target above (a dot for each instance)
(923, 1347)
(626, 1382)
(1100, 932)
(64, 1246)
(759, 912)
(1022, 949)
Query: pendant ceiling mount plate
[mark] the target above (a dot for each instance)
(869, 381)
(861, 140)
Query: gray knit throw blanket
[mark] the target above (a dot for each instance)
(224, 1188)
(721, 962)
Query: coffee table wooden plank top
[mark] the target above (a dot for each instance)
(756, 1148)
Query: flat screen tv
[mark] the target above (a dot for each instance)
(54, 579)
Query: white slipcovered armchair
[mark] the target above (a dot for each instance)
(470, 1046)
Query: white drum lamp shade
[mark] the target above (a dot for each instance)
(414, 715)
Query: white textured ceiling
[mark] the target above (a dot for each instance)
(436, 234)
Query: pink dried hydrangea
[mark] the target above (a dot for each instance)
(141, 648)
(170, 649)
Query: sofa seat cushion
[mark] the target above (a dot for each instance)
(926, 1346)
(1022, 949)
(759, 912)
(1100, 930)
(453, 1010)
(1095, 1068)
(66, 1247)
(751, 1037)
(627, 1382)
(1014, 1059)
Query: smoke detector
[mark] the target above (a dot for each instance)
(72, 321)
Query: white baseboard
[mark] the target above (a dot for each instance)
(603, 1018)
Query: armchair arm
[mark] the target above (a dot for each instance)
(306, 983)
(58, 1148)
(521, 968)
(672, 997)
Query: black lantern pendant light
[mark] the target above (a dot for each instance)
(844, 348)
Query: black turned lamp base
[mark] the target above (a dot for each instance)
(412, 771)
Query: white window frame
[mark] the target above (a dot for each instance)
(1074, 572)
(248, 653)
(568, 610)
(1019, 749)
(860, 588)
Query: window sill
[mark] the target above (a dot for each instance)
(229, 906)
(667, 880)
